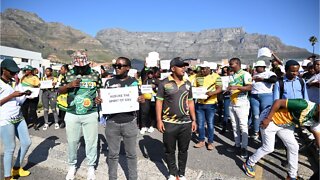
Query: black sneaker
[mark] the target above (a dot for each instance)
(62, 125)
(244, 153)
(234, 149)
(36, 127)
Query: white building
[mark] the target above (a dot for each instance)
(25, 57)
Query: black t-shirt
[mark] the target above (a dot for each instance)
(116, 83)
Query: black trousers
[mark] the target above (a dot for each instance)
(61, 115)
(174, 133)
(29, 110)
(148, 114)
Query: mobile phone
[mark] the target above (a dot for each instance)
(27, 92)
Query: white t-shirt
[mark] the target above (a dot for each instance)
(313, 92)
(10, 111)
(262, 87)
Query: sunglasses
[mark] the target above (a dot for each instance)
(119, 66)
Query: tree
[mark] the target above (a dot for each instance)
(313, 40)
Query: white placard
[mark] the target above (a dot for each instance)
(164, 75)
(146, 89)
(118, 100)
(34, 91)
(165, 64)
(225, 82)
(132, 72)
(264, 52)
(151, 62)
(46, 84)
(199, 93)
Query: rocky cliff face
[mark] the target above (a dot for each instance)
(26, 30)
(211, 45)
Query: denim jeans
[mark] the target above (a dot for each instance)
(7, 137)
(127, 132)
(258, 103)
(206, 113)
(89, 125)
(181, 134)
(226, 113)
(49, 98)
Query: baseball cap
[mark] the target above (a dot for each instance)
(260, 64)
(205, 64)
(80, 58)
(178, 62)
(10, 65)
(28, 67)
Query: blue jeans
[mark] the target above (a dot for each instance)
(205, 113)
(127, 132)
(7, 137)
(258, 103)
(88, 123)
(226, 112)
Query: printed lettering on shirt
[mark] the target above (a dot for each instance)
(88, 84)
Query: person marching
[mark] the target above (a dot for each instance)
(174, 107)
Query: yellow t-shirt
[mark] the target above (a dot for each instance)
(210, 82)
(32, 81)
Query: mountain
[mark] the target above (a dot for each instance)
(210, 45)
(56, 41)
(26, 30)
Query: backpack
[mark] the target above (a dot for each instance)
(281, 86)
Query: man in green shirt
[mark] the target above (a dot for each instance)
(82, 85)
(279, 119)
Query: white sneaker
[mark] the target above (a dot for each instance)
(90, 173)
(150, 130)
(56, 126)
(172, 177)
(182, 178)
(143, 130)
(45, 126)
(71, 172)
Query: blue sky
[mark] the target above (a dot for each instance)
(293, 21)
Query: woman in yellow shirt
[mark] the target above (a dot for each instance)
(29, 107)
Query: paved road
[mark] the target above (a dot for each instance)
(47, 159)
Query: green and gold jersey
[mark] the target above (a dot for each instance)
(298, 111)
(81, 100)
(175, 100)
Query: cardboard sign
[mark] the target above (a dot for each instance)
(199, 93)
(132, 72)
(47, 84)
(150, 62)
(34, 91)
(264, 52)
(225, 82)
(165, 64)
(146, 89)
(118, 100)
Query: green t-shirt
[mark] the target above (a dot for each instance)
(81, 100)
(298, 111)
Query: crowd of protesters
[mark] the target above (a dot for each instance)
(258, 103)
